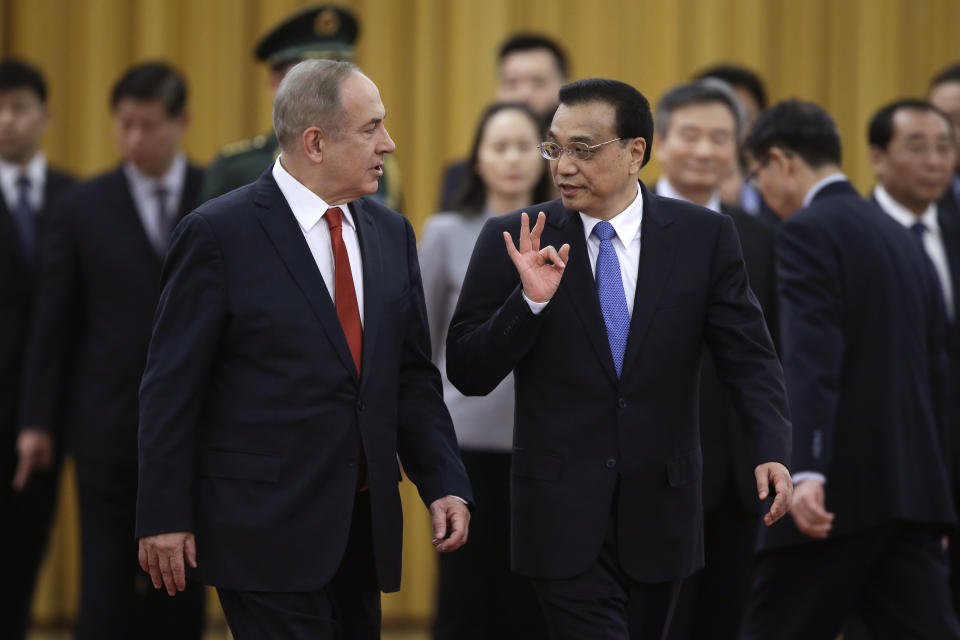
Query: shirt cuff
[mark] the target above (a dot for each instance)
(809, 475)
(461, 500)
(536, 307)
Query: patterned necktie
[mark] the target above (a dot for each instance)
(23, 216)
(613, 301)
(345, 294)
(164, 220)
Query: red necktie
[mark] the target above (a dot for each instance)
(345, 295)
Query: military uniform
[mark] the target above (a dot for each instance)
(324, 31)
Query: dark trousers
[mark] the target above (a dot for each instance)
(603, 602)
(478, 596)
(713, 600)
(25, 529)
(893, 577)
(117, 599)
(347, 608)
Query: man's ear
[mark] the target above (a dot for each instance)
(781, 158)
(878, 160)
(312, 141)
(637, 148)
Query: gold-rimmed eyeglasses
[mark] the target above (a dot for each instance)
(575, 150)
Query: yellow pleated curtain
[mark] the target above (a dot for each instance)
(434, 61)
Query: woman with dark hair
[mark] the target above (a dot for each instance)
(478, 596)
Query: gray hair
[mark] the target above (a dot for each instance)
(309, 96)
(699, 92)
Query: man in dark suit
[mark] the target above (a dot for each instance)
(945, 95)
(861, 334)
(530, 69)
(100, 271)
(29, 459)
(605, 342)
(913, 154)
(289, 368)
(697, 129)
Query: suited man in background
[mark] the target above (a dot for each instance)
(913, 154)
(29, 458)
(945, 95)
(531, 68)
(100, 272)
(605, 342)
(696, 140)
(861, 333)
(289, 369)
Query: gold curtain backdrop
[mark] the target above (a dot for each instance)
(434, 61)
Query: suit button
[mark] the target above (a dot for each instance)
(351, 462)
(361, 405)
(611, 463)
(621, 403)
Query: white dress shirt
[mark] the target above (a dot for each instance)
(932, 239)
(665, 189)
(626, 244)
(309, 210)
(143, 188)
(36, 171)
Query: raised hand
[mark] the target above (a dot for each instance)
(540, 269)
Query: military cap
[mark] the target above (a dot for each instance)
(324, 31)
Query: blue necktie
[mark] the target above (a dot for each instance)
(164, 220)
(613, 301)
(23, 216)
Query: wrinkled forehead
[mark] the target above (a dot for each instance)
(588, 122)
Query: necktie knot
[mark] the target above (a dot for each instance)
(334, 217)
(23, 182)
(604, 230)
(918, 228)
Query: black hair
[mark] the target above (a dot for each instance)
(530, 42)
(738, 76)
(472, 195)
(707, 91)
(17, 74)
(800, 127)
(152, 81)
(633, 116)
(949, 74)
(880, 129)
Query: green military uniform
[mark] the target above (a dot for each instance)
(326, 31)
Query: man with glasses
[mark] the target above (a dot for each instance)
(861, 329)
(605, 342)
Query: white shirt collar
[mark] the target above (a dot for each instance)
(172, 180)
(307, 206)
(665, 189)
(820, 184)
(903, 215)
(626, 223)
(35, 170)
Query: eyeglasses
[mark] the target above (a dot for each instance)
(575, 150)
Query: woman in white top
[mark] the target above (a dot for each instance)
(478, 596)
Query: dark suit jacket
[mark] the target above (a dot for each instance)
(100, 278)
(726, 459)
(861, 339)
(453, 178)
(578, 428)
(252, 416)
(17, 279)
(948, 215)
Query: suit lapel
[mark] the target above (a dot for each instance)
(372, 280)
(281, 226)
(657, 254)
(580, 287)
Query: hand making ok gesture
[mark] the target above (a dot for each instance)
(540, 269)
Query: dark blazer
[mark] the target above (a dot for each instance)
(722, 438)
(578, 429)
(454, 176)
(252, 415)
(861, 340)
(100, 278)
(17, 293)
